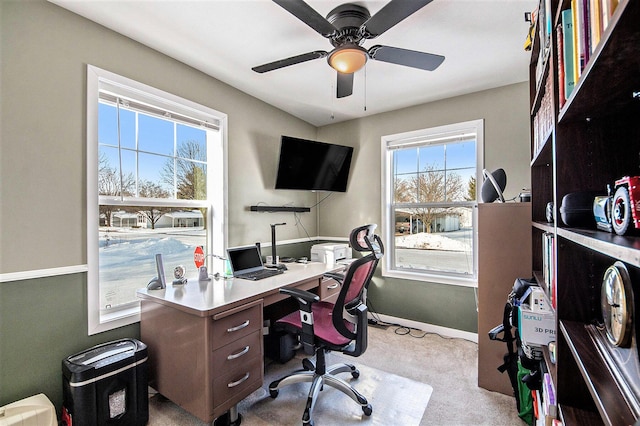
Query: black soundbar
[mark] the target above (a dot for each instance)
(280, 209)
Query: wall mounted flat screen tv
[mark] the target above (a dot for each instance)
(313, 165)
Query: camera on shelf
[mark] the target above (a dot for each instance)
(615, 213)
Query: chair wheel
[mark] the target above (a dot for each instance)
(273, 393)
(367, 410)
(308, 365)
(355, 374)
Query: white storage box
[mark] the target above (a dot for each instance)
(330, 252)
(36, 410)
(536, 328)
(538, 300)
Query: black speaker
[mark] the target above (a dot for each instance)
(577, 209)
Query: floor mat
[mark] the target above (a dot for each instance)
(395, 400)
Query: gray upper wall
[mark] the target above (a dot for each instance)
(45, 50)
(506, 145)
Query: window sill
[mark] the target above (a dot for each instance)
(432, 278)
(117, 318)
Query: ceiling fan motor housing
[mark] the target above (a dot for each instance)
(348, 18)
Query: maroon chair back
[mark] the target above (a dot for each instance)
(350, 310)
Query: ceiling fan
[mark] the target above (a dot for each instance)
(347, 27)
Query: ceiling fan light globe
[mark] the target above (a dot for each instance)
(348, 60)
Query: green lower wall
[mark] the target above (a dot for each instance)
(444, 305)
(42, 321)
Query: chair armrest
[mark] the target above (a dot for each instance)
(305, 298)
(360, 337)
(335, 275)
(305, 301)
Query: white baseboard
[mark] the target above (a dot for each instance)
(429, 328)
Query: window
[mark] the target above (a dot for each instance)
(156, 183)
(429, 203)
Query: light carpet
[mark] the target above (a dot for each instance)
(395, 400)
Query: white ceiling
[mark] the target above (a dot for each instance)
(482, 41)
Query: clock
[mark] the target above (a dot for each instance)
(616, 299)
(179, 275)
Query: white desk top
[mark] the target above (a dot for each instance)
(204, 298)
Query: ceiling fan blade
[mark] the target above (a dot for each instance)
(392, 13)
(308, 15)
(344, 85)
(281, 63)
(406, 57)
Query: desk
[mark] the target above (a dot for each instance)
(205, 338)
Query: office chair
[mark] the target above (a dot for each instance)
(325, 326)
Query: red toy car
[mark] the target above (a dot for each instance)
(618, 212)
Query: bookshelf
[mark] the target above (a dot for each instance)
(585, 134)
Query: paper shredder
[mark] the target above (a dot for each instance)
(106, 384)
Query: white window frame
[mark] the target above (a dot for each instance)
(216, 202)
(433, 134)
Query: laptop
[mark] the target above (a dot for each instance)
(246, 263)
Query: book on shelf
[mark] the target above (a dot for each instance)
(562, 97)
(544, 18)
(595, 23)
(567, 54)
(578, 40)
(549, 404)
(583, 25)
(543, 118)
(548, 273)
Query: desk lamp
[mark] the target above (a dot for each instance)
(274, 258)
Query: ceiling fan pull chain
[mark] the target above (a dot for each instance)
(332, 99)
(365, 88)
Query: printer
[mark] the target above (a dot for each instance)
(330, 252)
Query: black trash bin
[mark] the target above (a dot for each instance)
(106, 385)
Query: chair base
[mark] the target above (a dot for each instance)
(318, 377)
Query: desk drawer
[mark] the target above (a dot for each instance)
(329, 290)
(237, 384)
(236, 353)
(235, 324)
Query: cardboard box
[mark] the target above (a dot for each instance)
(536, 328)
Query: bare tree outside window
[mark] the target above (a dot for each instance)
(148, 189)
(429, 193)
(430, 186)
(109, 183)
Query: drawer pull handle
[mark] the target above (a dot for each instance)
(334, 286)
(234, 384)
(239, 354)
(238, 327)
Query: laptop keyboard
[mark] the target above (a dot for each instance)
(258, 275)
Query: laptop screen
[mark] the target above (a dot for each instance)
(245, 259)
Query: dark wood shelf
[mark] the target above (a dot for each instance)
(543, 226)
(624, 248)
(576, 416)
(606, 85)
(602, 383)
(593, 142)
(544, 156)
